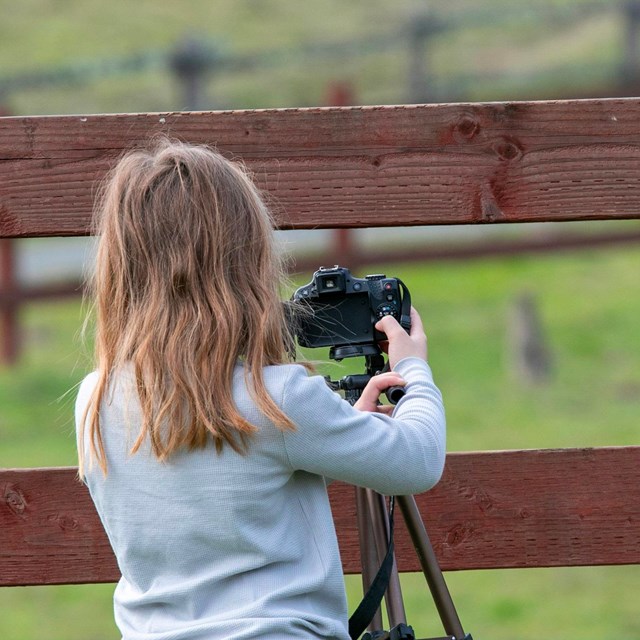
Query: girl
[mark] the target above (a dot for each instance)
(204, 449)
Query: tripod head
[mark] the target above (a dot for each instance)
(352, 385)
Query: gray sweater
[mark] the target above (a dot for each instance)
(236, 547)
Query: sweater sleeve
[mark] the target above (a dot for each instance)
(402, 454)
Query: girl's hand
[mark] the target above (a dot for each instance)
(402, 344)
(368, 401)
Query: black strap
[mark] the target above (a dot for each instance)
(365, 611)
(405, 314)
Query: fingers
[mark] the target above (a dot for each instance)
(381, 383)
(386, 409)
(416, 323)
(401, 344)
(368, 401)
(390, 326)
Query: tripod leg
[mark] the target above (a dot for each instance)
(380, 526)
(370, 563)
(430, 567)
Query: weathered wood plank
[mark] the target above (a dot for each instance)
(352, 166)
(50, 532)
(535, 508)
(492, 509)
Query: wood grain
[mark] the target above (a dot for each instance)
(352, 166)
(533, 508)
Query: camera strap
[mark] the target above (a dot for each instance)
(365, 611)
(405, 317)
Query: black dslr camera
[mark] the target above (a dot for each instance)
(340, 311)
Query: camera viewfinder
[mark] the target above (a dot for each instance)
(333, 283)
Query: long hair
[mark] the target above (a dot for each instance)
(186, 286)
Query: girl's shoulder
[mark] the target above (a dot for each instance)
(281, 380)
(297, 384)
(285, 370)
(87, 385)
(285, 374)
(122, 381)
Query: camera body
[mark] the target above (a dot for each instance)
(344, 309)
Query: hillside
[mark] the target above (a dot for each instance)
(94, 57)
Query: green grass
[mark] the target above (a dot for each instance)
(496, 59)
(36, 397)
(589, 304)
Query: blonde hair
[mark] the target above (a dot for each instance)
(186, 285)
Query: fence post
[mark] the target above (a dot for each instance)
(191, 62)
(341, 94)
(631, 54)
(9, 331)
(420, 31)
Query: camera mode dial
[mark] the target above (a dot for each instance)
(386, 310)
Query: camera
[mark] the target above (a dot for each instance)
(340, 310)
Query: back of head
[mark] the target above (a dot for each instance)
(186, 285)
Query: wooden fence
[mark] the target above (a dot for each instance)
(359, 167)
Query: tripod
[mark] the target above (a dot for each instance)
(375, 527)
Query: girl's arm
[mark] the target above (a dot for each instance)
(402, 454)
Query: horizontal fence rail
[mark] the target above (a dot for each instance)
(534, 508)
(352, 166)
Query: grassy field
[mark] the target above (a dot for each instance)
(589, 304)
(495, 50)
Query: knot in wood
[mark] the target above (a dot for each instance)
(14, 499)
(484, 501)
(507, 149)
(457, 534)
(466, 128)
(64, 521)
